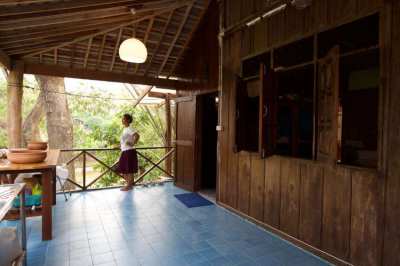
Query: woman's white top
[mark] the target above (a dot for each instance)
(127, 136)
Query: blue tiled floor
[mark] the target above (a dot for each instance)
(149, 226)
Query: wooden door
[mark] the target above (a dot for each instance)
(329, 111)
(185, 156)
(268, 111)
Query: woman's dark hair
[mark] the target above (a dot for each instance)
(128, 118)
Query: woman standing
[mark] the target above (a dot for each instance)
(128, 161)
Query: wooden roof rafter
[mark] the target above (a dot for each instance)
(182, 52)
(146, 38)
(83, 38)
(73, 36)
(177, 35)
(133, 35)
(149, 62)
(54, 32)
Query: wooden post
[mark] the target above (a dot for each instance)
(168, 162)
(14, 105)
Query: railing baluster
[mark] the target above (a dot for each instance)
(87, 152)
(84, 170)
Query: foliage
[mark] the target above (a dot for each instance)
(97, 124)
(28, 101)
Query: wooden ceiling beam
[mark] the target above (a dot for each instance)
(173, 7)
(100, 54)
(160, 41)
(161, 95)
(29, 23)
(116, 47)
(55, 56)
(158, 95)
(32, 48)
(133, 36)
(88, 52)
(39, 44)
(72, 28)
(146, 38)
(67, 6)
(189, 38)
(59, 71)
(177, 35)
(19, 2)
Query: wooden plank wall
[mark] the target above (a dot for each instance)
(391, 247)
(333, 208)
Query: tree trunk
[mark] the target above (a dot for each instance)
(58, 118)
(30, 126)
(59, 121)
(14, 106)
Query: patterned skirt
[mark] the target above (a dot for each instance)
(128, 162)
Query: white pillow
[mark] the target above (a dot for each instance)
(10, 249)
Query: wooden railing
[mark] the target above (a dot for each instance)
(85, 153)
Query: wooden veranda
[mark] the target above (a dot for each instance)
(306, 95)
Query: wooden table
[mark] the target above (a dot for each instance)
(7, 195)
(48, 171)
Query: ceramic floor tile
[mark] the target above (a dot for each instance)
(148, 226)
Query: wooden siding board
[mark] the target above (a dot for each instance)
(392, 196)
(311, 203)
(246, 42)
(260, 36)
(340, 9)
(290, 195)
(246, 8)
(272, 191)
(324, 190)
(224, 135)
(364, 222)
(336, 211)
(309, 20)
(274, 29)
(294, 23)
(244, 183)
(321, 14)
(232, 69)
(257, 188)
(364, 6)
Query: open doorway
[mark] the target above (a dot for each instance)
(207, 144)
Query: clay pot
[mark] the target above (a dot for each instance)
(37, 145)
(26, 156)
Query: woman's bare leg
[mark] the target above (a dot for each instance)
(129, 182)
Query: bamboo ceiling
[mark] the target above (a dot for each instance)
(86, 34)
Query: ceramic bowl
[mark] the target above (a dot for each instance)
(26, 156)
(37, 145)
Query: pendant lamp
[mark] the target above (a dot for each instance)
(133, 50)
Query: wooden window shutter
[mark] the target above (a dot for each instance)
(240, 115)
(329, 110)
(268, 111)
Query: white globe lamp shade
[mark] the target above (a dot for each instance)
(133, 50)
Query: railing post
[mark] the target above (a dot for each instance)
(168, 132)
(84, 170)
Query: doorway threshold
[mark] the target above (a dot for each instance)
(209, 194)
